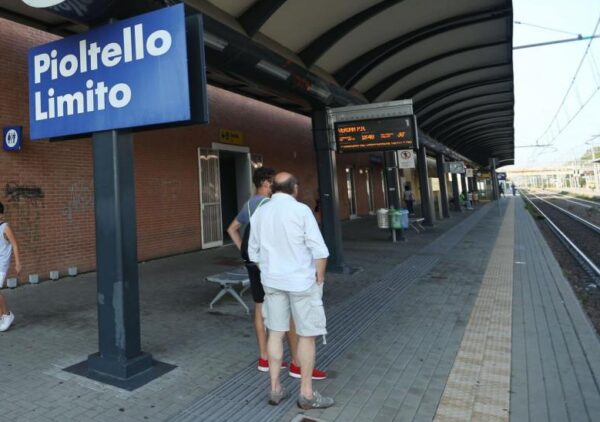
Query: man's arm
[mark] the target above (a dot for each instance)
(15, 246)
(321, 265)
(234, 232)
(253, 244)
(316, 245)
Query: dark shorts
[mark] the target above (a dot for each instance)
(258, 294)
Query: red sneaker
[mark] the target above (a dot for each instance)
(316, 375)
(263, 365)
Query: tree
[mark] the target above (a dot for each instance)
(587, 155)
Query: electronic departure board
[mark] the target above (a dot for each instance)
(376, 134)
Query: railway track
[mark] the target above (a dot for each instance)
(584, 203)
(579, 235)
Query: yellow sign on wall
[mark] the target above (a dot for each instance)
(234, 137)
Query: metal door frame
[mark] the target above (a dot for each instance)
(215, 243)
(353, 188)
(370, 192)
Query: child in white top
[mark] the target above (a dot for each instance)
(8, 245)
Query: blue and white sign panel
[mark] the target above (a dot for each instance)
(127, 74)
(11, 138)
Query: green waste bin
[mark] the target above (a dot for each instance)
(395, 217)
(398, 218)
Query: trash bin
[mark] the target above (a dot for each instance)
(382, 219)
(403, 218)
(395, 218)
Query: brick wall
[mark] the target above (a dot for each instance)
(47, 187)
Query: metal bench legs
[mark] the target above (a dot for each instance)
(416, 224)
(227, 288)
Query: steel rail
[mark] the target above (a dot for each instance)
(571, 199)
(564, 237)
(576, 199)
(570, 214)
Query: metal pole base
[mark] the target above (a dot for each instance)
(398, 235)
(130, 375)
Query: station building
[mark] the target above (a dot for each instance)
(48, 186)
(48, 189)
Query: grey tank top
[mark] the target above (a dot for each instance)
(5, 249)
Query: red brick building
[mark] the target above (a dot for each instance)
(47, 187)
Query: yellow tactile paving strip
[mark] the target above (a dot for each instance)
(479, 383)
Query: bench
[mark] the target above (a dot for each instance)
(415, 223)
(228, 280)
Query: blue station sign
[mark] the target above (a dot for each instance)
(128, 74)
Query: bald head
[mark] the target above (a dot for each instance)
(286, 183)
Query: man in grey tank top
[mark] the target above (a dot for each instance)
(8, 245)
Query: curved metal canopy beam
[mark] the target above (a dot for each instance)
(414, 91)
(480, 134)
(473, 112)
(482, 156)
(432, 99)
(474, 131)
(360, 66)
(483, 150)
(475, 124)
(255, 17)
(460, 143)
(320, 45)
(441, 113)
(389, 81)
(431, 118)
(480, 131)
(465, 113)
(455, 122)
(491, 144)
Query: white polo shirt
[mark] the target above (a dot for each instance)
(284, 241)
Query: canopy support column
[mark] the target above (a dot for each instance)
(328, 193)
(441, 171)
(426, 202)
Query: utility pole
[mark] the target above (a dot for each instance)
(594, 164)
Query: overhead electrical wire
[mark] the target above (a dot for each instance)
(546, 28)
(564, 99)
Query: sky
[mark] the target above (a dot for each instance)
(542, 77)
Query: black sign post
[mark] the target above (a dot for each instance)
(120, 360)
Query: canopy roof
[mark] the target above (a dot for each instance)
(453, 58)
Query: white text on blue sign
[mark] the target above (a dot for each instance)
(131, 73)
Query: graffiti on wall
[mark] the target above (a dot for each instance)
(16, 193)
(80, 199)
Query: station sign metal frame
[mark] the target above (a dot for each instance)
(365, 118)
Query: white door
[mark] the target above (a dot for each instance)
(369, 187)
(351, 191)
(210, 198)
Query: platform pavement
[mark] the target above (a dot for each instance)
(555, 350)
(396, 369)
(56, 327)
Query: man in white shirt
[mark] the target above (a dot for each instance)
(286, 243)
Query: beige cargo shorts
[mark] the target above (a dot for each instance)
(306, 309)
